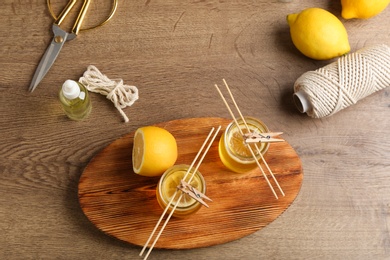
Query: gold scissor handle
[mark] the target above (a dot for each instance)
(64, 12)
(77, 25)
(80, 17)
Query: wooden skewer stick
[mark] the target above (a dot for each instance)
(249, 147)
(257, 148)
(174, 195)
(181, 195)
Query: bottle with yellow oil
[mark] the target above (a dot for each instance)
(233, 150)
(75, 100)
(168, 186)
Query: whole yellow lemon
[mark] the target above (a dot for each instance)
(318, 34)
(154, 151)
(362, 9)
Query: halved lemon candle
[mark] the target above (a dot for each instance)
(167, 187)
(233, 151)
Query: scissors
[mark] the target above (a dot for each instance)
(193, 193)
(61, 36)
(262, 138)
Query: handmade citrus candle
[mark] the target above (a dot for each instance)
(167, 188)
(234, 152)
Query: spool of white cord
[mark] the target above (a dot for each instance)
(327, 90)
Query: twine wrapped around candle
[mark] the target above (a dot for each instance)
(327, 90)
(120, 94)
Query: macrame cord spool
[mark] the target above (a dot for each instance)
(327, 90)
(121, 95)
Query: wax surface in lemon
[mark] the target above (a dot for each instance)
(233, 151)
(169, 187)
(362, 9)
(154, 151)
(318, 34)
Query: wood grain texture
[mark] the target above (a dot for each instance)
(124, 204)
(174, 52)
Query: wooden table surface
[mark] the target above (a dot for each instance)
(174, 52)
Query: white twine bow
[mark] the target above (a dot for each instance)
(121, 95)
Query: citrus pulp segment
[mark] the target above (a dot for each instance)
(138, 151)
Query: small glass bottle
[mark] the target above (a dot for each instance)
(234, 153)
(75, 100)
(167, 186)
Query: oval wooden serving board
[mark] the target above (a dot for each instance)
(123, 204)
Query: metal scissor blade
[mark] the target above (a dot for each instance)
(50, 55)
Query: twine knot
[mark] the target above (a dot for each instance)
(119, 94)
